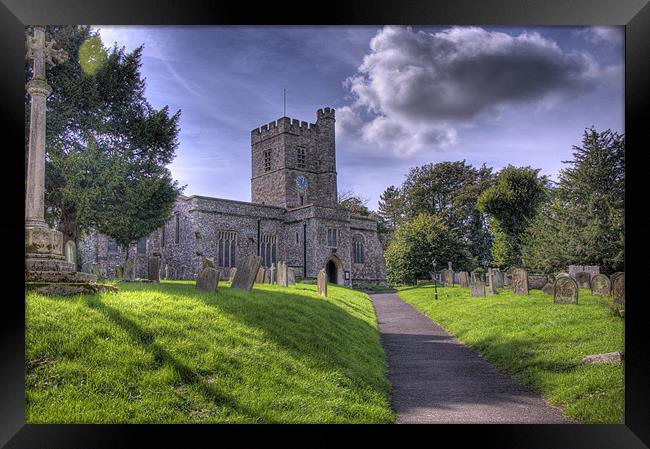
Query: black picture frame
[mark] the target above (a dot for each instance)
(634, 14)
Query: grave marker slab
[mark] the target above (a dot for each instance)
(519, 281)
(207, 280)
(246, 272)
(491, 290)
(129, 270)
(618, 288)
(259, 279)
(548, 288)
(464, 279)
(282, 275)
(119, 272)
(291, 276)
(154, 269)
(207, 262)
(478, 288)
(600, 285)
(565, 290)
(322, 282)
(447, 277)
(71, 252)
(583, 279)
(231, 273)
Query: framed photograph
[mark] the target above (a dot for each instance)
(356, 213)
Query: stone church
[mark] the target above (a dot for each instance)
(293, 216)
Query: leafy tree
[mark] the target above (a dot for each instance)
(451, 190)
(354, 203)
(107, 148)
(417, 244)
(511, 204)
(584, 221)
(391, 207)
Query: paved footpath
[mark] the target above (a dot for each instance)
(437, 379)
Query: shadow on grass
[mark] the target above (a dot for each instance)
(163, 357)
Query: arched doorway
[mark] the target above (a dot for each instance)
(334, 270)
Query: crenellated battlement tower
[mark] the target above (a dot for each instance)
(294, 162)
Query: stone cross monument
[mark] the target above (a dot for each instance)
(44, 258)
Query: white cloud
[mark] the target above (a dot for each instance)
(611, 35)
(415, 89)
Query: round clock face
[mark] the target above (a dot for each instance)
(301, 182)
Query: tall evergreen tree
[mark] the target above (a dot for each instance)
(107, 148)
(584, 222)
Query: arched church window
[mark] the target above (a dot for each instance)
(269, 250)
(357, 249)
(226, 241)
(142, 245)
(112, 246)
(332, 237)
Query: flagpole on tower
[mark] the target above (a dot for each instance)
(285, 102)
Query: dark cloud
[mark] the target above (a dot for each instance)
(419, 87)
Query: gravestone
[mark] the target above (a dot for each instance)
(207, 280)
(537, 281)
(166, 271)
(281, 274)
(231, 274)
(478, 288)
(246, 272)
(322, 282)
(548, 288)
(259, 279)
(129, 270)
(207, 262)
(618, 288)
(508, 276)
(154, 269)
(449, 266)
(497, 278)
(583, 279)
(447, 277)
(119, 272)
(272, 274)
(267, 276)
(71, 252)
(562, 274)
(565, 291)
(456, 277)
(600, 285)
(291, 276)
(519, 281)
(491, 290)
(464, 279)
(593, 270)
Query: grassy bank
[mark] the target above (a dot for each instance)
(168, 354)
(539, 343)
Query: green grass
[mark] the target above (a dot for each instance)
(169, 354)
(539, 343)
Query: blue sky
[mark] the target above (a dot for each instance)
(404, 96)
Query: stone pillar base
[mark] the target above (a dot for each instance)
(44, 259)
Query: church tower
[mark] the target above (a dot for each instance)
(294, 162)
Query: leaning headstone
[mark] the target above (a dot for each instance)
(129, 270)
(154, 269)
(583, 279)
(259, 279)
(119, 272)
(478, 288)
(322, 282)
(71, 252)
(548, 288)
(519, 281)
(464, 279)
(207, 262)
(618, 288)
(600, 285)
(231, 274)
(246, 272)
(565, 291)
(447, 277)
(281, 275)
(291, 276)
(207, 280)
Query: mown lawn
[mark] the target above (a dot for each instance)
(168, 354)
(539, 343)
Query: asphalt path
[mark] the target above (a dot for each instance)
(437, 379)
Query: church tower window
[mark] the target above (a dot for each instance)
(142, 245)
(112, 246)
(226, 241)
(301, 158)
(178, 228)
(267, 160)
(268, 250)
